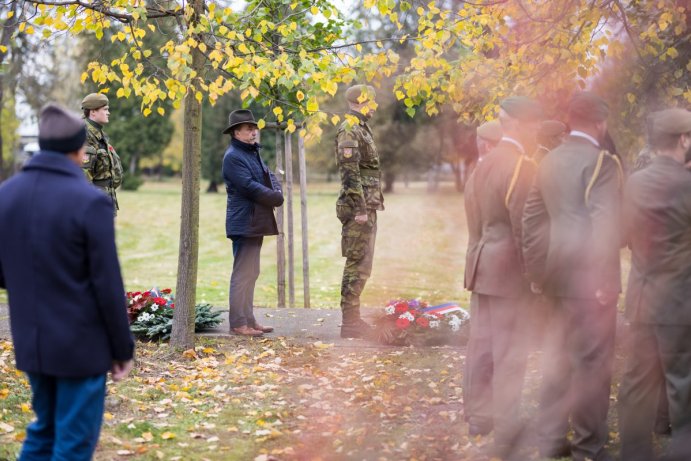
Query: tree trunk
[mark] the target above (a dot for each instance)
(389, 178)
(133, 164)
(182, 335)
(213, 187)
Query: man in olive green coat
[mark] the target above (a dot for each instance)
(497, 348)
(657, 227)
(358, 202)
(102, 164)
(571, 245)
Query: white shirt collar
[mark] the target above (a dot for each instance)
(515, 143)
(580, 134)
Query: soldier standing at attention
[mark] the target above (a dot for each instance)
(575, 259)
(657, 220)
(102, 164)
(497, 347)
(359, 199)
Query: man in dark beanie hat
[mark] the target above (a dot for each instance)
(571, 243)
(68, 316)
(500, 300)
(657, 213)
(102, 164)
(253, 193)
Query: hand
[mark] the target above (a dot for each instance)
(605, 298)
(361, 218)
(536, 288)
(120, 370)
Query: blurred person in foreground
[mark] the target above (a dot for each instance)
(571, 245)
(500, 300)
(358, 201)
(657, 227)
(68, 315)
(253, 193)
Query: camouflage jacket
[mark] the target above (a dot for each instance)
(102, 165)
(358, 165)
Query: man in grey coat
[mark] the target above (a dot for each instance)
(657, 226)
(494, 198)
(571, 244)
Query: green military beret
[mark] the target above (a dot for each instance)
(671, 121)
(551, 128)
(490, 131)
(94, 101)
(354, 93)
(521, 108)
(589, 107)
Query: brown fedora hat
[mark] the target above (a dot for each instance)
(238, 117)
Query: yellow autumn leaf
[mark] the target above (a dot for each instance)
(312, 105)
(108, 416)
(260, 124)
(167, 436)
(147, 112)
(161, 111)
(300, 96)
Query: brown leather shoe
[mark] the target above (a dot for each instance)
(246, 331)
(262, 328)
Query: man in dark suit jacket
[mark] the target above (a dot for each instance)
(68, 313)
(571, 242)
(253, 192)
(494, 198)
(657, 227)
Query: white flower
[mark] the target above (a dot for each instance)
(389, 310)
(145, 317)
(138, 297)
(455, 322)
(154, 307)
(408, 316)
(434, 323)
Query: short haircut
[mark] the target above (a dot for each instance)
(664, 141)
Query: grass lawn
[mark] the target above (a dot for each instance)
(419, 252)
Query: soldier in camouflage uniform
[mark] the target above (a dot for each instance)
(102, 164)
(359, 199)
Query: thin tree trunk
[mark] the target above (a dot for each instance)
(213, 187)
(183, 320)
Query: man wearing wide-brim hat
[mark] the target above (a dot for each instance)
(253, 193)
(657, 221)
(575, 259)
(102, 164)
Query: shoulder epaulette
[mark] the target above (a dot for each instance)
(596, 173)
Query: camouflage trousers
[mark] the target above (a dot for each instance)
(357, 246)
(110, 191)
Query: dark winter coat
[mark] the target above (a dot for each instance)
(253, 192)
(59, 264)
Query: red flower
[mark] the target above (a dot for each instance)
(401, 307)
(172, 305)
(422, 321)
(402, 323)
(160, 301)
(166, 290)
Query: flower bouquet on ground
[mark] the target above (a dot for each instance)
(151, 314)
(414, 322)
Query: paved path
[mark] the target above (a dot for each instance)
(308, 325)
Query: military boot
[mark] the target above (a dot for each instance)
(356, 329)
